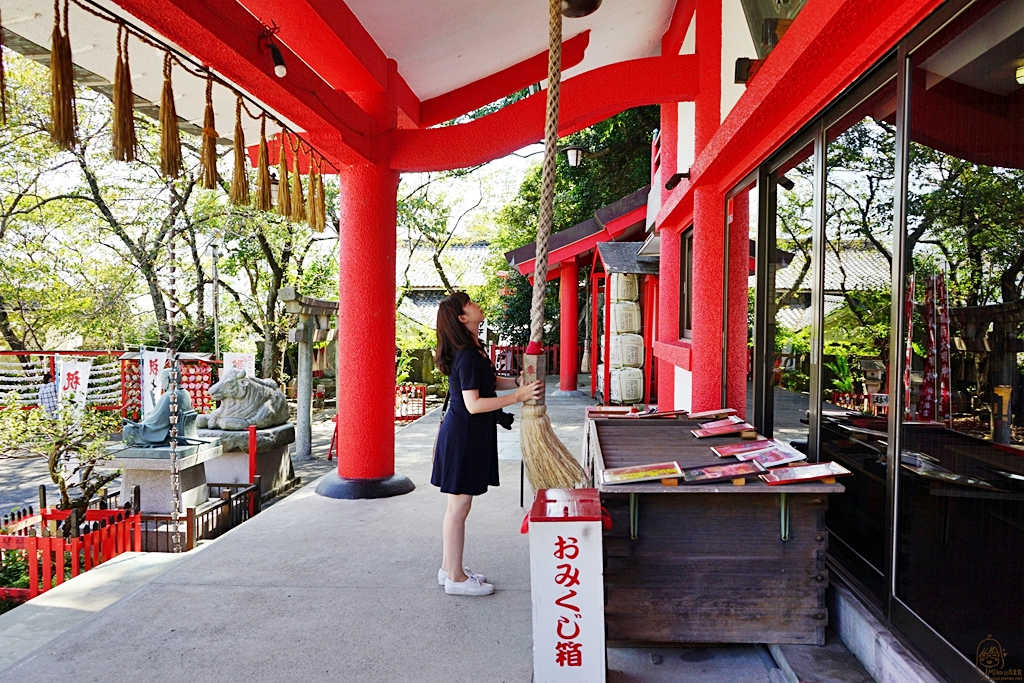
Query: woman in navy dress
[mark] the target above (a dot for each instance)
(466, 455)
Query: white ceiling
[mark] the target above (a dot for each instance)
(94, 47)
(441, 45)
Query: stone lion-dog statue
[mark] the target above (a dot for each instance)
(245, 401)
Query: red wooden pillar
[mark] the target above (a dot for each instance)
(708, 299)
(366, 337)
(568, 333)
(668, 314)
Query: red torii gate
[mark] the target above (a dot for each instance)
(354, 105)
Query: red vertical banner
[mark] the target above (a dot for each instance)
(909, 356)
(942, 302)
(926, 402)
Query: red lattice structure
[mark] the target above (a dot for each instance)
(197, 377)
(410, 402)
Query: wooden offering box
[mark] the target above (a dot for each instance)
(707, 563)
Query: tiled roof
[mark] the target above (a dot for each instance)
(421, 306)
(463, 264)
(797, 319)
(865, 269)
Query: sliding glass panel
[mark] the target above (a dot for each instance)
(790, 273)
(960, 554)
(859, 174)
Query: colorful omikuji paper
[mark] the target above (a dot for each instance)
(942, 301)
(909, 308)
(632, 475)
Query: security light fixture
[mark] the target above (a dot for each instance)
(574, 155)
(786, 183)
(1020, 75)
(579, 8)
(675, 179)
(280, 69)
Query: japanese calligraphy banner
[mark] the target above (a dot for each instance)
(73, 385)
(942, 302)
(240, 361)
(926, 402)
(151, 363)
(908, 360)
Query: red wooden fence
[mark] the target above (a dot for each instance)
(111, 533)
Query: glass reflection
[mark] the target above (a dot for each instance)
(860, 172)
(961, 500)
(792, 192)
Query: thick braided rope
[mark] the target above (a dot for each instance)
(547, 189)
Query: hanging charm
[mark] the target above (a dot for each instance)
(240, 176)
(208, 150)
(63, 118)
(284, 199)
(317, 213)
(298, 214)
(170, 138)
(123, 127)
(3, 79)
(263, 197)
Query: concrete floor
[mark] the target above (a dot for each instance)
(314, 589)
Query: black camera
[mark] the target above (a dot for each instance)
(504, 419)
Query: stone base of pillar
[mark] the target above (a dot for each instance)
(575, 393)
(334, 486)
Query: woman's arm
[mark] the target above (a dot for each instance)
(475, 404)
(506, 383)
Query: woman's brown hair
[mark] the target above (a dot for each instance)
(452, 335)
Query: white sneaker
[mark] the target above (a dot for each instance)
(471, 586)
(442, 575)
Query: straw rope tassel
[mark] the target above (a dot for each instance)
(123, 133)
(170, 138)
(298, 214)
(240, 176)
(62, 82)
(3, 78)
(209, 148)
(317, 211)
(284, 193)
(549, 464)
(263, 199)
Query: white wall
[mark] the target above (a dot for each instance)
(685, 125)
(736, 42)
(683, 398)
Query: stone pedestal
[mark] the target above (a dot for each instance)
(273, 463)
(150, 469)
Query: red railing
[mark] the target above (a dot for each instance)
(508, 360)
(410, 402)
(106, 534)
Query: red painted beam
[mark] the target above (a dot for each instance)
(682, 16)
(613, 229)
(586, 99)
(329, 38)
(224, 35)
(499, 84)
(829, 46)
(618, 225)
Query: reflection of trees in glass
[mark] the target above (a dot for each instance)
(793, 228)
(859, 205)
(972, 217)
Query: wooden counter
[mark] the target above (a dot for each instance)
(708, 564)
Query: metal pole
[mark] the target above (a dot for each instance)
(216, 301)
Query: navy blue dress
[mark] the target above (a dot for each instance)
(466, 458)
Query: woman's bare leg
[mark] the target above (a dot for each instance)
(455, 535)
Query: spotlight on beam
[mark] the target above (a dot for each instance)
(579, 8)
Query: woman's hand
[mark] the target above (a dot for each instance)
(530, 392)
